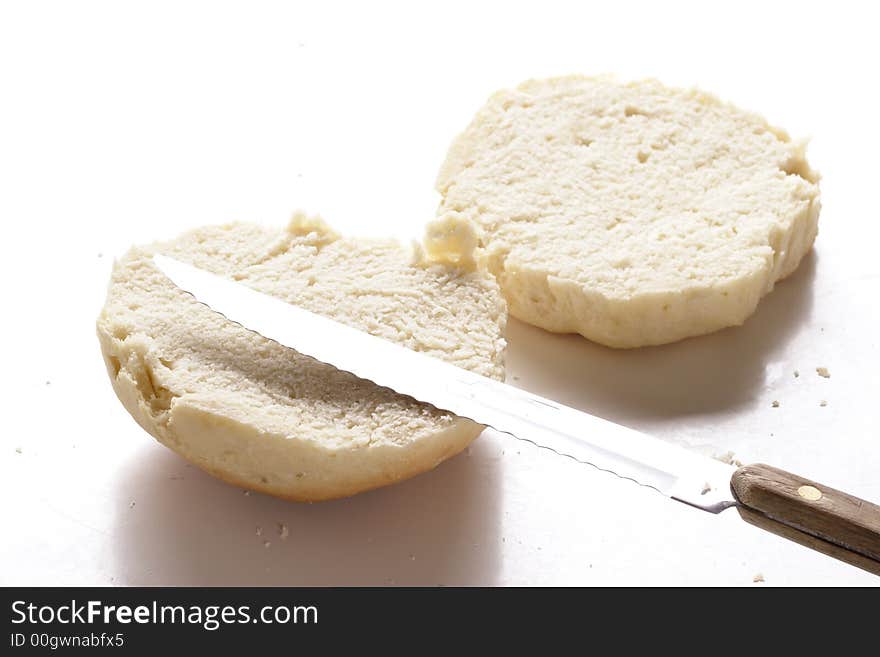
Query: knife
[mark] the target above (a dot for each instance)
(819, 517)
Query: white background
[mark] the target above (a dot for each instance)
(127, 122)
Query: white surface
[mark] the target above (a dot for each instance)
(123, 124)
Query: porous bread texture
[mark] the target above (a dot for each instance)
(265, 417)
(631, 213)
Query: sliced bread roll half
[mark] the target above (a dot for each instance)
(264, 417)
(633, 214)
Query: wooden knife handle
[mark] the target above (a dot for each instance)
(814, 515)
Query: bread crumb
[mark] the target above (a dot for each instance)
(738, 463)
(706, 488)
(259, 531)
(283, 532)
(453, 240)
(823, 372)
(758, 578)
(266, 544)
(775, 404)
(247, 493)
(727, 457)
(18, 450)
(823, 403)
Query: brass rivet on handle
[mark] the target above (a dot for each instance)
(810, 493)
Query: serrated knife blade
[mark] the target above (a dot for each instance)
(817, 516)
(671, 470)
